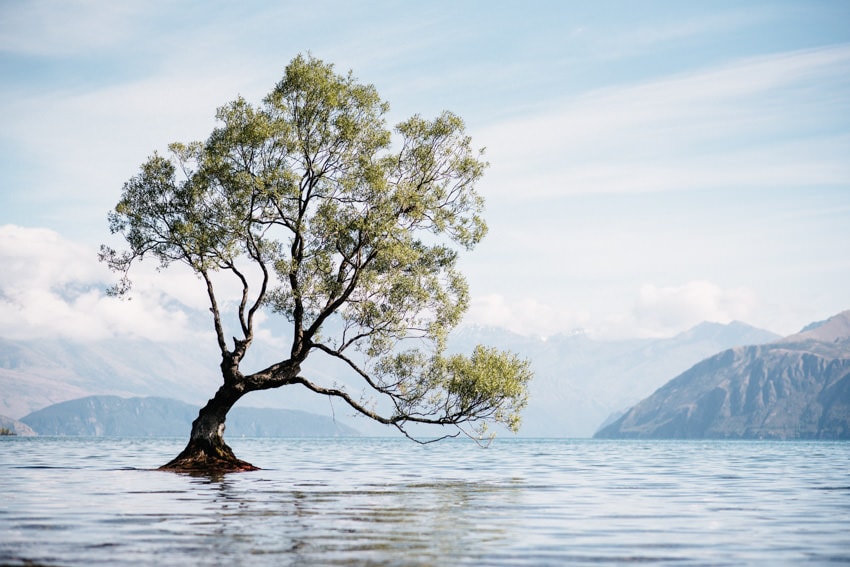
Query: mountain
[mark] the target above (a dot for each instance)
(580, 381)
(794, 388)
(113, 416)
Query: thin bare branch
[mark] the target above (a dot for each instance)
(219, 330)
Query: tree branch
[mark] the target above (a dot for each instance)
(246, 330)
(332, 306)
(336, 354)
(219, 330)
(346, 398)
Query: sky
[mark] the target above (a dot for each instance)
(652, 164)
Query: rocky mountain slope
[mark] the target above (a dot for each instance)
(113, 416)
(794, 388)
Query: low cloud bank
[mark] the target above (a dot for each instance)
(52, 287)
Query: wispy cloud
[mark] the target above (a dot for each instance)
(525, 315)
(657, 311)
(642, 35)
(728, 125)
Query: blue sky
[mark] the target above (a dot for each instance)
(653, 164)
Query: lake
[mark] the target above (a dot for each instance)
(369, 501)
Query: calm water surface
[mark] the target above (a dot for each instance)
(377, 501)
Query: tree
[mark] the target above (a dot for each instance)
(304, 202)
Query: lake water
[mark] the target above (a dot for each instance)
(90, 501)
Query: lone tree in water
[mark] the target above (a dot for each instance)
(302, 201)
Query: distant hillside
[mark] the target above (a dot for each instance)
(16, 427)
(112, 416)
(40, 372)
(794, 388)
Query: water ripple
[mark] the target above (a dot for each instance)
(390, 502)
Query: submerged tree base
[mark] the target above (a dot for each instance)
(206, 458)
(205, 465)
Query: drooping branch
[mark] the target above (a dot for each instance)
(351, 364)
(334, 392)
(396, 420)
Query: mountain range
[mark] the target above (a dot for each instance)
(797, 387)
(579, 381)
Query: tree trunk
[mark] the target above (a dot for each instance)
(206, 451)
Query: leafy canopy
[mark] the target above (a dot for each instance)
(304, 201)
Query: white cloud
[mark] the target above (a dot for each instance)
(50, 286)
(663, 311)
(38, 257)
(525, 316)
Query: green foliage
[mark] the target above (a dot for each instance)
(489, 385)
(303, 200)
(490, 379)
